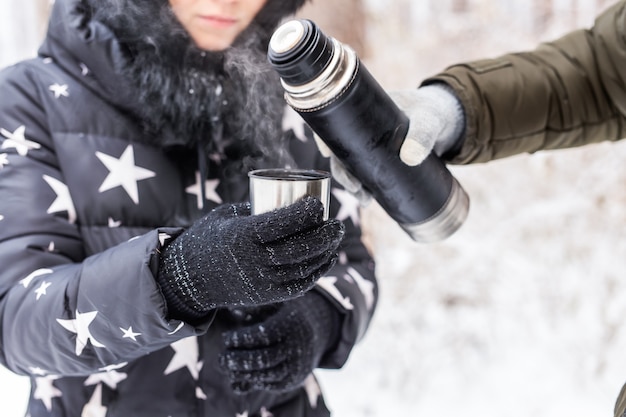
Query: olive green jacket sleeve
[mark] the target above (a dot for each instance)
(565, 93)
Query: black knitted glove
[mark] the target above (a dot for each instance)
(231, 259)
(281, 351)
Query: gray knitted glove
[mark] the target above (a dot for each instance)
(436, 119)
(232, 259)
(280, 351)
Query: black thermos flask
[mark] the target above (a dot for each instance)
(326, 83)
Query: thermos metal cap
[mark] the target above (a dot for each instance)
(299, 52)
(287, 37)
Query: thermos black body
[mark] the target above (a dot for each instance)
(346, 107)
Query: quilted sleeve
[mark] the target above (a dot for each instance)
(62, 313)
(563, 94)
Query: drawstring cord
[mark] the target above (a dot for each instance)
(203, 167)
(217, 133)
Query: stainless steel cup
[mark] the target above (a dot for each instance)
(277, 187)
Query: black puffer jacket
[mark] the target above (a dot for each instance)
(82, 201)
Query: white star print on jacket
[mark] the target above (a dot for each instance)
(210, 189)
(123, 173)
(349, 205)
(80, 326)
(94, 407)
(17, 140)
(45, 391)
(40, 272)
(59, 90)
(185, 356)
(63, 202)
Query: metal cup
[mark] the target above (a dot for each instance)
(277, 187)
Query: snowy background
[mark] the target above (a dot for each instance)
(520, 313)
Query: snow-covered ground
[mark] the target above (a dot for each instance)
(13, 394)
(520, 313)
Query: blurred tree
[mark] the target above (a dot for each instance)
(545, 11)
(460, 6)
(343, 20)
(23, 28)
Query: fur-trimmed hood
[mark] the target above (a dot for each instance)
(111, 25)
(142, 60)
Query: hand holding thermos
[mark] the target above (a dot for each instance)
(364, 128)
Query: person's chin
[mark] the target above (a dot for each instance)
(214, 43)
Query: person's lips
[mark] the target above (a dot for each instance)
(219, 21)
